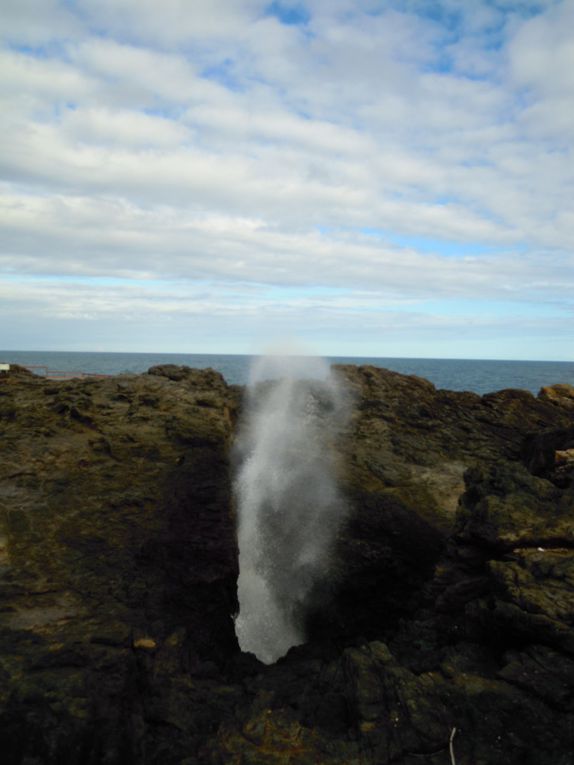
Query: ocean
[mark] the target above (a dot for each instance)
(477, 375)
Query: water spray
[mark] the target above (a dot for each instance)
(289, 507)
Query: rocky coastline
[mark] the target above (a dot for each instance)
(445, 636)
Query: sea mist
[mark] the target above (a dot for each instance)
(289, 508)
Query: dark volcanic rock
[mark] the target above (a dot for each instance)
(119, 564)
(406, 453)
(451, 604)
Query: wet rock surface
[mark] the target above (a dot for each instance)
(451, 603)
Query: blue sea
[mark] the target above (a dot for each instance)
(454, 374)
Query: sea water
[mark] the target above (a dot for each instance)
(478, 375)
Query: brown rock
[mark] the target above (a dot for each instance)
(450, 604)
(561, 394)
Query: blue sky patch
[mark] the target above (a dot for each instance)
(223, 74)
(444, 247)
(291, 14)
(425, 244)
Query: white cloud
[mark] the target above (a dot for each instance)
(135, 75)
(542, 52)
(37, 22)
(184, 318)
(541, 56)
(172, 21)
(209, 141)
(31, 84)
(111, 238)
(121, 127)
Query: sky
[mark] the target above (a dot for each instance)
(372, 178)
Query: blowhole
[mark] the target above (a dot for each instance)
(289, 507)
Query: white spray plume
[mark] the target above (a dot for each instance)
(289, 507)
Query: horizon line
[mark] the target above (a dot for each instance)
(297, 355)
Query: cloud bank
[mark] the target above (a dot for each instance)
(381, 178)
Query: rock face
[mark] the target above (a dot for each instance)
(118, 564)
(451, 604)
